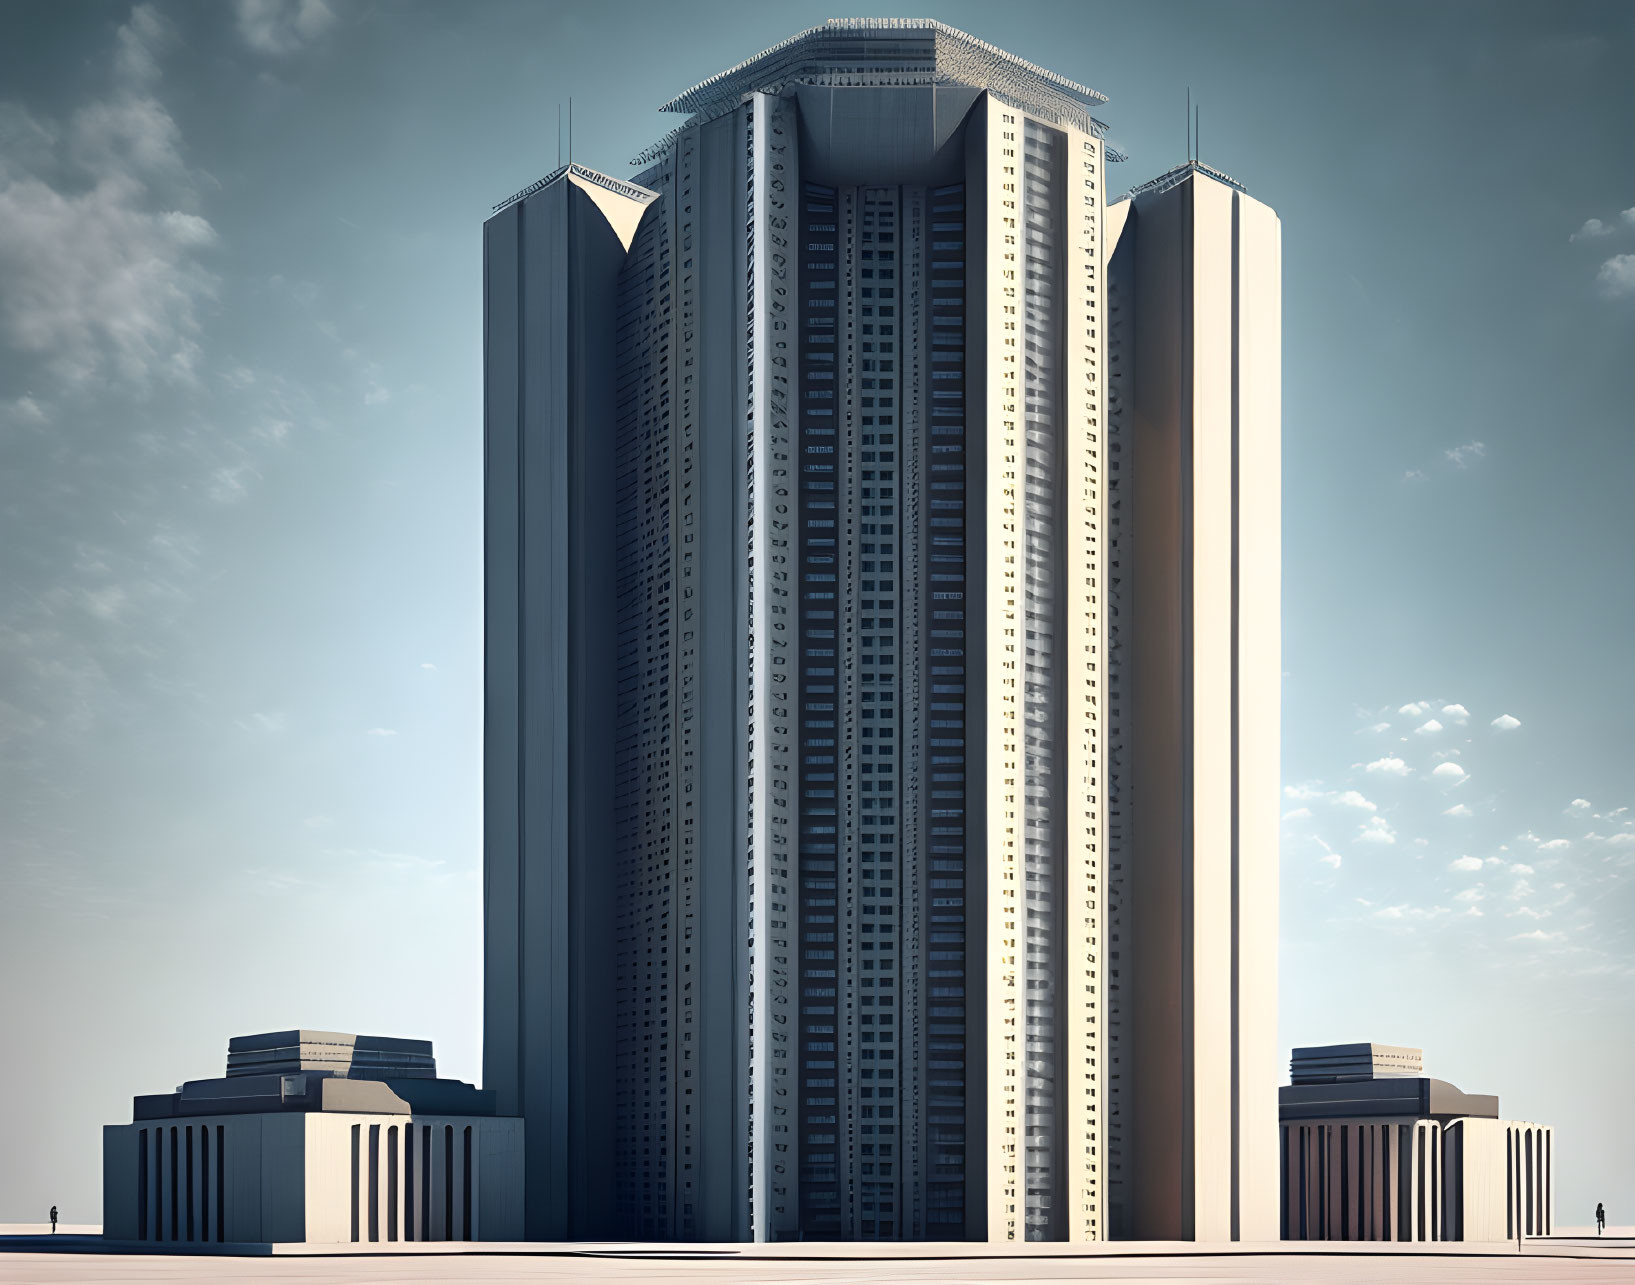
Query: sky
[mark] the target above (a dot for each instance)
(240, 513)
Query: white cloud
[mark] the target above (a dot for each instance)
(227, 484)
(1378, 727)
(426, 664)
(375, 859)
(1297, 814)
(1494, 861)
(1407, 912)
(264, 723)
(137, 44)
(1593, 230)
(1527, 912)
(106, 603)
(1428, 728)
(1555, 845)
(1376, 830)
(1352, 799)
(1415, 708)
(1449, 771)
(1305, 790)
(1616, 278)
(1456, 712)
(1538, 934)
(1579, 806)
(1461, 456)
(318, 822)
(103, 264)
(381, 731)
(282, 26)
(1331, 859)
(1458, 810)
(1521, 868)
(1474, 911)
(1466, 864)
(1471, 894)
(25, 410)
(1624, 840)
(1388, 766)
(1506, 723)
(272, 431)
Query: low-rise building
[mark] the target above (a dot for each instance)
(320, 1137)
(1374, 1150)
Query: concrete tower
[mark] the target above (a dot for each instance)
(882, 542)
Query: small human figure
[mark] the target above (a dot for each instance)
(53, 1220)
(1600, 1218)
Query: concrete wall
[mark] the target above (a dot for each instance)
(551, 265)
(768, 610)
(1257, 330)
(1413, 1179)
(981, 720)
(405, 1178)
(1201, 326)
(994, 143)
(715, 982)
(241, 1179)
(1484, 1189)
(121, 1170)
(1036, 791)
(320, 1177)
(1082, 526)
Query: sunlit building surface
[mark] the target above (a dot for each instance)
(315, 1137)
(882, 668)
(1374, 1150)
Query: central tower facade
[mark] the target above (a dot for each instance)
(812, 897)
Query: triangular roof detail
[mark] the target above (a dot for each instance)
(620, 202)
(1175, 177)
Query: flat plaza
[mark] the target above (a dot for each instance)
(1557, 1259)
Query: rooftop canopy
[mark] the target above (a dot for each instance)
(892, 51)
(360, 1057)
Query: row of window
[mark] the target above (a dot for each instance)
(841, 785)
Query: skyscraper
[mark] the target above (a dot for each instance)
(882, 668)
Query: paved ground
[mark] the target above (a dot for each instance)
(819, 1265)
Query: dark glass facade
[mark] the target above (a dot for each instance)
(882, 715)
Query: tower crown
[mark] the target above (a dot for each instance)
(892, 52)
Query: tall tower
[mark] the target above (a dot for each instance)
(1194, 277)
(833, 883)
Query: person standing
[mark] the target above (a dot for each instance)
(1600, 1218)
(53, 1220)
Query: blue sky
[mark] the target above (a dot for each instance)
(240, 512)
